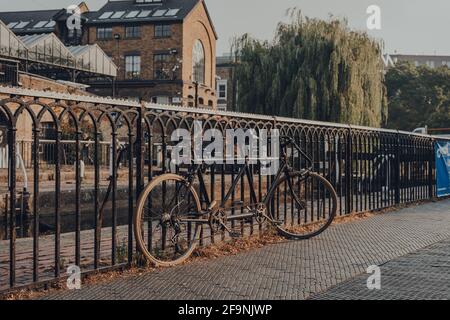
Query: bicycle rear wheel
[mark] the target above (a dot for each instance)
(304, 205)
(164, 234)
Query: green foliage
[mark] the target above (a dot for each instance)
(418, 96)
(314, 69)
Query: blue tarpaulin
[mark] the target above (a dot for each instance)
(443, 168)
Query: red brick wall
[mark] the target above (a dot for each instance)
(196, 26)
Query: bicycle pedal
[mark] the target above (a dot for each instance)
(234, 234)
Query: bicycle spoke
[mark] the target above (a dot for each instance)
(310, 213)
(169, 238)
(151, 210)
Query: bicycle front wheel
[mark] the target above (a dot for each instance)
(303, 205)
(164, 234)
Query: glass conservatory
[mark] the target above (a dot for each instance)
(93, 59)
(47, 48)
(10, 45)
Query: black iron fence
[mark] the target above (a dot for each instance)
(67, 149)
(68, 194)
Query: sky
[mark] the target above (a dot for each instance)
(407, 26)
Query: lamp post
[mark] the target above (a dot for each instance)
(195, 83)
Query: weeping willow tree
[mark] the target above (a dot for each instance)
(313, 69)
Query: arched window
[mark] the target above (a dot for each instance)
(198, 62)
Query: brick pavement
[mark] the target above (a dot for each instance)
(294, 269)
(422, 275)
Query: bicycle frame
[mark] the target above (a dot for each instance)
(284, 169)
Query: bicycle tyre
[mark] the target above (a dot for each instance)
(138, 220)
(290, 230)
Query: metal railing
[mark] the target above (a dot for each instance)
(67, 149)
(88, 222)
(9, 72)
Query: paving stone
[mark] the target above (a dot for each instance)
(424, 275)
(304, 269)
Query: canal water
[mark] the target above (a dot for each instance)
(24, 223)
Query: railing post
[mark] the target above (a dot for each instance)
(12, 206)
(140, 151)
(397, 169)
(36, 133)
(431, 167)
(58, 203)
(349, 173)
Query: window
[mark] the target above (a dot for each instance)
(118, 15)
(132, 66)
(73, 33)
(104, 33)
(147, 1)
(51, 24)
(161, 99)
(163, 30)
(222, 107)
(132, 32)
(40, 24)
(172, 12)
(106, 15)
(161, 66)
(132, 14)
(222, 88)
(144, 13)
(12, 24)
(159, 13)
(198, 62)
(223, 91)
(21, 25)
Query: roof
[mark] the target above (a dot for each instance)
(31, 39)
(32, 21)
(122, 11)
(10, 44)
(78, 50)
(92, 57)
(224, 60)
(131, 11)
(411, 56)
(47, 47)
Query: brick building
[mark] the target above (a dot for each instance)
(227, 93)
(432, 61)
(165, 49)
(46, 21)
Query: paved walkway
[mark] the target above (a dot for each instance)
(422, 275)
(313, 268)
